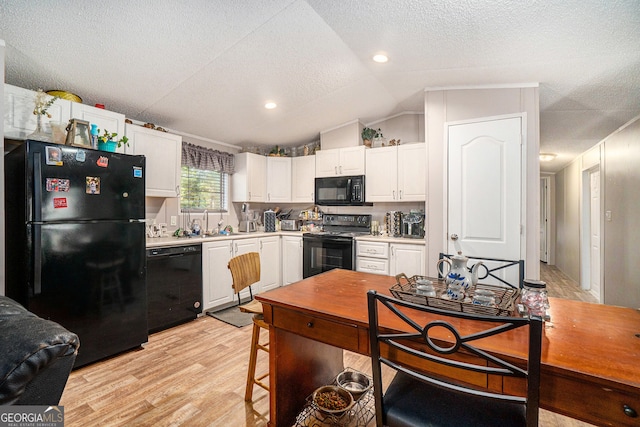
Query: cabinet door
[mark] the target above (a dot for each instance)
(408, 259)
(243, 246)
(291, 259)
(303, 174)
(278, 179)
(269, 263)
(216, 279)
(19, 120)
(327, 162)
(412, 172)
(164, 156)
(105, 119)
(249, 180)
(382, 174)
(352, 161)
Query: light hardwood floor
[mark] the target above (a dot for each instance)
(194, 375)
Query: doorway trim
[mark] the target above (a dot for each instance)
(585, 232)
(545, 215)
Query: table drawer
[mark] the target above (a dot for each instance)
(334, 333)
(590, 401)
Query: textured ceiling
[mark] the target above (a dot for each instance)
(206, 67)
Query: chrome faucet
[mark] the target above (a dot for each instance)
(205, 219)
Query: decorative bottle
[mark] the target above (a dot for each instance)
(94, 136)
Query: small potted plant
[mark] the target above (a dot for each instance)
(108, 142)
(367, 135)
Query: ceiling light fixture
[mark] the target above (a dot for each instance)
(547, 157)
(381, 58)
(270, 105)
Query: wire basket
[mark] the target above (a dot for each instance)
(360, 414)
(505, 298)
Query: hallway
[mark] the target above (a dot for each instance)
(559, 285)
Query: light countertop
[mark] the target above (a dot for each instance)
(154, 242)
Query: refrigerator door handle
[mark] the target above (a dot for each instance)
(37, 259)
(37, 187)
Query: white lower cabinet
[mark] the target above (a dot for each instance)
(291, 259)
(217, 285)
(372, 257)
(390, 258)
(216, 279)
(407, 258)
(269, 263)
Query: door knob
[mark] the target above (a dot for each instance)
(454, 237)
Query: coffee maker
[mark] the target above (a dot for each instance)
(413, 225)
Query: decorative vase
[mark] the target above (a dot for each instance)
(40, 134)
(108, 146)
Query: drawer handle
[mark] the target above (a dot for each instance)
(629, 411)
(310, 324)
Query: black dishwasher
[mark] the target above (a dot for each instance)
(174, 285)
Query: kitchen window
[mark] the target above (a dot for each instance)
(204, 179)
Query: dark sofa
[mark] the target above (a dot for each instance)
(36, 356)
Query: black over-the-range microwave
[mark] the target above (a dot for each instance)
(340, 191)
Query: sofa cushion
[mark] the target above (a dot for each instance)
(36, 358)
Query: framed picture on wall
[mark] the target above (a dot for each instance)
(78, 133)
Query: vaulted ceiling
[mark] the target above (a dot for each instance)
(207, 67)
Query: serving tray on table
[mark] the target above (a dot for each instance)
(405, 289)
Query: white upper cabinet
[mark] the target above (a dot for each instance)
(340, 161)
(164, 156)
(303, 179)
(19, 120)
(278, 179)
(105, 119)
(248, 183)
(396, 174)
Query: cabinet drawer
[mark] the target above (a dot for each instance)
(372, 249)
(373, 265)
(337, 334)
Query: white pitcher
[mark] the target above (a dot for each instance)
(458, 274)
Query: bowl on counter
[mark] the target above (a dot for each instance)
(332, 400)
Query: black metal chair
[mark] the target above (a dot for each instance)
(423, 399)
(492, 266)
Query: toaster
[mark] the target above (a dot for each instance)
(289, 224)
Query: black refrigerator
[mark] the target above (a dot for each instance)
(75, 243)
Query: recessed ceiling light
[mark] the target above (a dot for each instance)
(547, 157)
(380, 58)
(270, 105)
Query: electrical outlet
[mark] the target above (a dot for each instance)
(174, 220)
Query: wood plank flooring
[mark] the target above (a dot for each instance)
(194, 375)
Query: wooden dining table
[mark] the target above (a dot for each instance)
(590, 352)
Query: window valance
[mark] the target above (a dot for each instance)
(199, 157)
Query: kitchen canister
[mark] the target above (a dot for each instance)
(393, 222)
(269, 221)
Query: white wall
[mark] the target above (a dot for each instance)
(620, 178)
(455, 104)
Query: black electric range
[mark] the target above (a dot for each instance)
(333, 247)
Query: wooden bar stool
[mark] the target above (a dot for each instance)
(245, 271)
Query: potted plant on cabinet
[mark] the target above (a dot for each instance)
(108, 142)
(367, 135)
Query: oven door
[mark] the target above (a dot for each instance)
(324, 253)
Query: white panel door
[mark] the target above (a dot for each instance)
(595, 234)
(484, 186)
